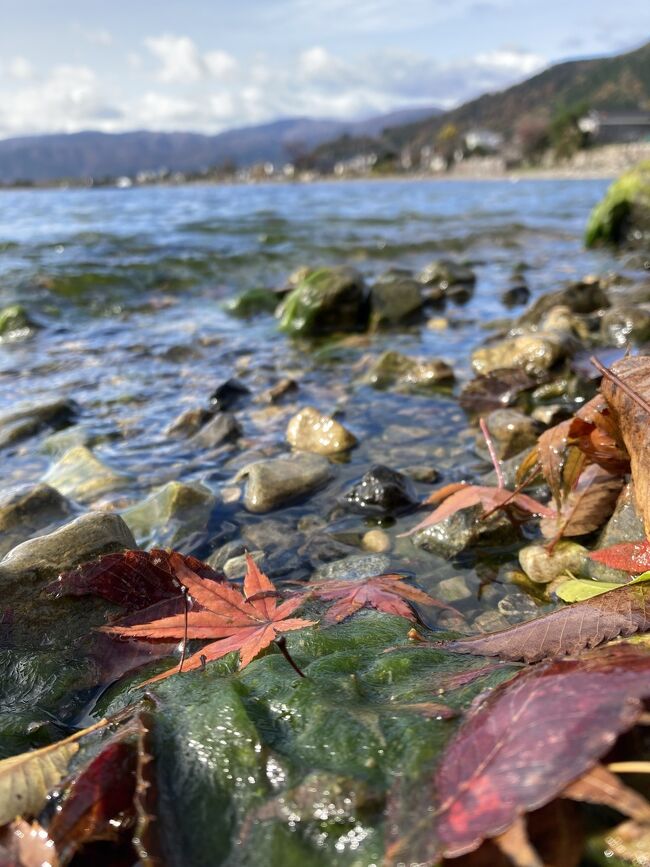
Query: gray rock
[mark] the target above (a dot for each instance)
(312, 431)
(444, 273)
(381, 491)
(235, 567)
(28, 419)
(463, 529)
(623, 325)
(421, 473)
(357, 567)
(26, 510)
(511, 432)
(171, 514)
(223, 428)
(232, 549)
(277, 482)
(585, 296)
(395, 299)
(189, 422)
(82, 476)
(534, 353)
(404, 373)
(544, 567)
(83, 539)
(625, 525)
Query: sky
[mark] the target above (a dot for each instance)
(210, 65)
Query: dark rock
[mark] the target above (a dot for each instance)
(383, 491)
(189, 422)
(395, 299)
(405, 373)
(355, 567)
(584, 296)
(29, 418)
(229, 394)
(326, 301)
(515, 295)
(465, 528)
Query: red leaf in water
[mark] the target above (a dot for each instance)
(246, 622)
(518, 750)
(133, 579)
(633, 557)
(388, 593)
(568, 630)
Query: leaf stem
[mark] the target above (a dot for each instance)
(184, 650)
(493, 455)
(282, 645)
(629, 767)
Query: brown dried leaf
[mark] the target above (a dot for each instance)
(600, 786)
(588, 505)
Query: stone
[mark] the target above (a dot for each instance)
(511, 432)
(453, 589)
(277, 482)
(229, 394)
(223, 428)
(625, 525)
(405, 373)
(326, 301)
(189, 422)
(623, 325)
(515, 295)
(544, 567)
(444, 273)
(312, 431)
(463, 529)
(561, 318)
(228, 551)
(82, 476)
(421, 473)
(376, 541)
(27, 419)
(171, 514)
(381, 491)
(622, 217)
(235, 567)
(356, 567)
(395, 299)
(26, 510)
(252, 302)
(533, 353)
(274, 394)
(585, 296)
(83, 539)
(15, 322)
(62, 440)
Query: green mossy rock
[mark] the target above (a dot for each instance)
(15, 320)
(326, 301)
(622, 218)
(252, 302)
(170, 515)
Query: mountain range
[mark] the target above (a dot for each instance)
(92, 154)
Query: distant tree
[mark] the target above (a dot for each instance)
(565, 134)
(447, 141)
(532, 133)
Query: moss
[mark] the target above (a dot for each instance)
(252, 302)
(623, 216)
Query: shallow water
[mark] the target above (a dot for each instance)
(129, 287)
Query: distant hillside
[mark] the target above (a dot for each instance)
(97, 155)
(616, 82)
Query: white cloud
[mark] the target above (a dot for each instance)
(181, 62)
(511, 60)
(99, 37)
(20, 69)
(220, 64)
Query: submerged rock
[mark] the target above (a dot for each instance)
(252, 302)
(277, 482)
(189, 422)
(312, 431)
(464, 529)
(28, 419)
(544, 567)
(15, 322)
(623, 325)
(533, 353)
(26, 510)
(444, 273)
(81, 540)
(171, 514)
(622, 218)
(326, 301)
(585, 296)
(392, 369)
(82, 476)
(395, 299)
(356, 567)
(223, 428)
(511, 432)
(381, 490)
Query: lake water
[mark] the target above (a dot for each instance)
(129, 286)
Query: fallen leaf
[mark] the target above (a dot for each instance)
(246, 622)
(496, 389)
(587, 506)
(634, 422)
(388, 593)
(619, 612)
(490, 498)
(578, 589)
(627, 556)
(518, 750)
(133, 579)
(25, 845)
(26, 779)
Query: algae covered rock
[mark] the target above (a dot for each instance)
(276, 482)
(311, 431)
(622, 217)
(15, 322)
(252, 302)
(533, 353)
(395, 299)
(405, 373)
(325, 301)
(82, 476)
(171, 514)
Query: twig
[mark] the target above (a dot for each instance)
(493, 455)
(629, 767)
(520, 487)
(282, 645)
(609, 374)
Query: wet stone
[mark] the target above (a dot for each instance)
(15, 323)
(625, 525)
(189, 422)
(511, 432)
(170, 515)
(383, 491)
(392, 369)
(28, 509)
(544, 567)
(222, 429)
(395, 299)
(534, 353)
(624, 325)
(516, 295)
(376, 541)
(462, 530)
(453, 589)
(81, 475)
(312, 431)
(356, 567)
(235, 567)
(326, 301)
(230, 394)
(421, 473)
(27, 419)
(274, 483)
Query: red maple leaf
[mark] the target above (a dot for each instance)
(384, 592)
(246, 622)
(631, 557)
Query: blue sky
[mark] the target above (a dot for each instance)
(208, 66)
